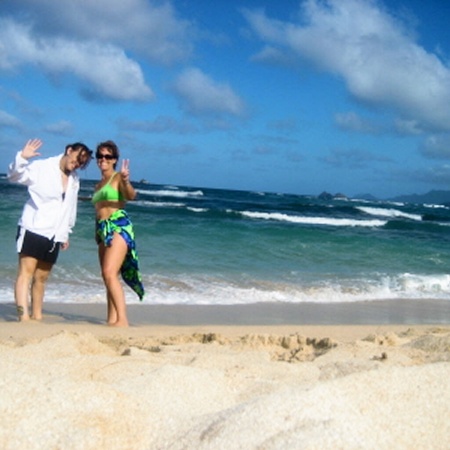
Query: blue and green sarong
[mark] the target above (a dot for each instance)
(120, 223)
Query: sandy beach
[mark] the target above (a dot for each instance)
(368, 376)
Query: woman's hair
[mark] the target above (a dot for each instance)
(111, 147)
(84, 154)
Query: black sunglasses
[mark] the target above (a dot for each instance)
(107, 157)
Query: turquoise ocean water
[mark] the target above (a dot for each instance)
(212, 246)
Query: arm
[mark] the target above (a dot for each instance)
(126, 188)
(18, 170)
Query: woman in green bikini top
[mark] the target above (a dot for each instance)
(107, 193)
(114, 189)
(114, 232)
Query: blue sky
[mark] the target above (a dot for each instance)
(349, 96)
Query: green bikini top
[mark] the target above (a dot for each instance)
(107, 193)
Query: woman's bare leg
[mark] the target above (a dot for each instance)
(111, 259)
(111, 310)
(111, 313)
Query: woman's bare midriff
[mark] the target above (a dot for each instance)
(106, 208)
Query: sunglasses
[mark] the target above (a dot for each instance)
(103, 156)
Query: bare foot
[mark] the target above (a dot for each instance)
(24, 319)
(119, 323)
(111, 319)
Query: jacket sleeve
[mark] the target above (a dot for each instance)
(19, 171)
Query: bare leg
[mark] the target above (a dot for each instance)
(111, 259)
(112, 312)
(38, 288)
(26, 269)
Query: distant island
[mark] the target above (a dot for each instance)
(435, 197)
(327, 196)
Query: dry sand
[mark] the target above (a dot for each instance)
(186, 378)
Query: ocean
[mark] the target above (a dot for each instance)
(201, 246)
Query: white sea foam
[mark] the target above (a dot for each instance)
(197, 210)
(204, 290)
(314, 220)
(170, 193)
(432, 206)
(159, 204)
(384, 212)
(210, 291)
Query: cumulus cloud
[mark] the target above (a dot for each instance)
(148, 27)
(199, 94)
(372, 51)
(94, 41)
(105, 68)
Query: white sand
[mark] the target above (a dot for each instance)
(90, 387)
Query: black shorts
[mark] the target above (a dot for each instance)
(37, 246)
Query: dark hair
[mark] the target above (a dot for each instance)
(112, 147)
(84, 156)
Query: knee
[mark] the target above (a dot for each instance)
(108, 274)
(40, 279)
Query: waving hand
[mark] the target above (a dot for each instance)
(31, 148)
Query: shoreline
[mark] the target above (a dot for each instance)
(343, 321)
(408, 312)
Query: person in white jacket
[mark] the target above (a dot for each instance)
(47, 217)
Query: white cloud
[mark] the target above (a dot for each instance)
(105, 68)
(92, 40)
(148, 27)
(373, 52)
(200, 94)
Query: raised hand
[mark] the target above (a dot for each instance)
(125, 171)
(31, 149)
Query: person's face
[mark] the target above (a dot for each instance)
(105, 159)
(76, 159)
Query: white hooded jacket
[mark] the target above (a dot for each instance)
(47, 212)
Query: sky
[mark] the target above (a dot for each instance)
(342, 96)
